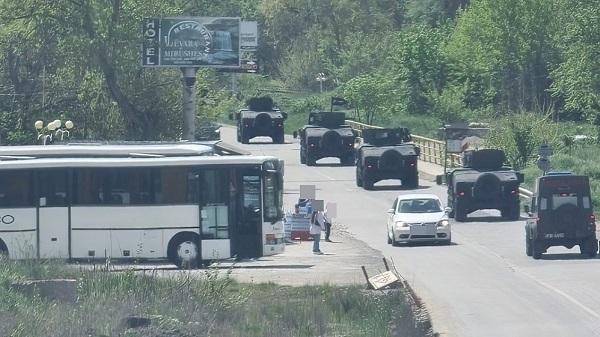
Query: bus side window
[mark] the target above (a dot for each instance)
(52, 188)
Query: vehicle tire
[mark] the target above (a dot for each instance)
(243, 138)
(302, 157)
(487, 187)
(412, 182)
(514, 212)
(348, 160)
(239, 138)
(279, 139)
(3, 251)
(528, 247)
(359, 182)
(367, 183)
(310, 159)
(536, 249)
(395, 243)
(589, 247)
(183, 250)
(452, 212)
(389, 240)
(460, 214)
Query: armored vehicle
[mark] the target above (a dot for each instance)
(387, 154)
(484, 183)
(259, 119)
(326, 135)
(561, 214)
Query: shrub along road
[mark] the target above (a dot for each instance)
(483, 284)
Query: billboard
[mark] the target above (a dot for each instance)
(460, 137)
(191, 42)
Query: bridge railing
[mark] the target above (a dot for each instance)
(432, 150)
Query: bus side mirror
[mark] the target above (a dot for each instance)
(295, 134)
(440, 179)
(520, 177)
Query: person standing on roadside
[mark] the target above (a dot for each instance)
(327, 223)
(316, 226)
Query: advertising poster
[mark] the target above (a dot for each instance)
(191, 42)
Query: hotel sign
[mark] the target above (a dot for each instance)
(191, 42)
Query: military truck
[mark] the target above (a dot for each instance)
(259, 119)
(387, 154)
(561, 214)
(483, 183)
(327, 135)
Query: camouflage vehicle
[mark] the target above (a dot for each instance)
(326, 135)
(259, 119)
(387, 154)
(561, 214)
(483, 183)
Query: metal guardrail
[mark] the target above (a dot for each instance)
(525, 193)
(432, 151)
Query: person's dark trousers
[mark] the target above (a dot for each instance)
(327, 231)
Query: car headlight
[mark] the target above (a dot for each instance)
(442, 223)
(400, 224)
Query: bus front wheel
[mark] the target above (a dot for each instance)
(183, 250)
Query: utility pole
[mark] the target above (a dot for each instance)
(189, 102)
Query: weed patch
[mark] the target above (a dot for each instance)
(195, 303)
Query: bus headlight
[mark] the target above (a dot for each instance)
(442, 223)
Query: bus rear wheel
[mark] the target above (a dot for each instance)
(183, 250)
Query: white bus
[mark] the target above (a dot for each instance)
(126, 149)
(188, 209)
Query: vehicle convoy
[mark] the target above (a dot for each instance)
(387, 154)
(483, 183)
(183, 207)
(561, 214)
(259, 119)
(327, 135)
(418, 217)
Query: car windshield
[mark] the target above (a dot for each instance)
(419, 206)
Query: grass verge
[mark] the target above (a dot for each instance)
(188, 305)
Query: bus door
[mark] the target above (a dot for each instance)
(53, 213)
(247, 230)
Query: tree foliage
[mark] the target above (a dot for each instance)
(450, 59)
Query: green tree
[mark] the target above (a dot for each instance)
(576, 78)
(504, 50)
(417, 68)
(369, 95)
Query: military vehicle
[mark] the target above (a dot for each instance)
(259, 119)
(483, 183)
(561, 214)
(327, 135)
(387, 154)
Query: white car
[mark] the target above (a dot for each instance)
(418, 217)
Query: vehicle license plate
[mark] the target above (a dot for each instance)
(422, 229)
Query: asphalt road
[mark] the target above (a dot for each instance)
(483, 284)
